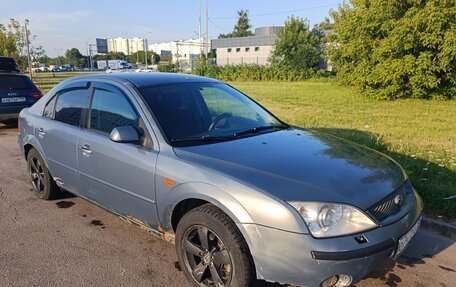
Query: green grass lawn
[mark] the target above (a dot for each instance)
(46, 81)
(419, 134)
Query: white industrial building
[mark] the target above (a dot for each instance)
(246, 50)
(127, 46)
(181, 50)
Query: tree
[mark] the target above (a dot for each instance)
(137, 57)
(323, 31)
(395, 48)
(242, 27)
(59, 60)
(155, 58)
(212, 54)
(323, 28)
(13, 43)
(75, 58)
(44, 59)
(8, 40)
(296, 47)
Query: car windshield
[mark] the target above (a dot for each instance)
(193, 113)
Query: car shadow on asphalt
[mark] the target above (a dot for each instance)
(63, 194)
(7, 125)
(424, 246)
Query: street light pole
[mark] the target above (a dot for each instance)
(207, 29)
(145, 46)
(199, 28)
(89, 51)
(145, 50)
(137, 54)
(91, 58)
(28, 50)
(58, 53)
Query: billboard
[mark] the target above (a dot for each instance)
(166, 53)
(102, 45)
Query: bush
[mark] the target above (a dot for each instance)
(252, 72)
(395, 48)
(168, 68)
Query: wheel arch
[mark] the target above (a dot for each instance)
(27, 147)
(187, 196)
(183, 207)
(29, 143)
(193, 195)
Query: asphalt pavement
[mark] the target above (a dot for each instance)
(71, 242)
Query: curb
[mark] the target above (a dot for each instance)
(442, 227)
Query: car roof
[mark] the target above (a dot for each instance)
(149, 79)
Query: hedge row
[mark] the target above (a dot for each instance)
(252, 72)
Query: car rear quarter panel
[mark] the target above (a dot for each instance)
(27, 132)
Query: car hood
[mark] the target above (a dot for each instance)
(302, 165)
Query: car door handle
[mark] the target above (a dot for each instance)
(40, 132)
(86, 149)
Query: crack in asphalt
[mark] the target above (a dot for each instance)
(9, 205)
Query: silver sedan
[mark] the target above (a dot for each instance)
(241, 194)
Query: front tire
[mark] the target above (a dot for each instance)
(212, 251)
(43, 185)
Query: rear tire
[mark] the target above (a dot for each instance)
(43, 185)
(222, 258)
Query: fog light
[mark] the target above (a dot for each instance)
(341, 280)
(344, 280)
(330, 282)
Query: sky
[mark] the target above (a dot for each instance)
(60, 25)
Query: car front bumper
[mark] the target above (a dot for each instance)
(300, 259)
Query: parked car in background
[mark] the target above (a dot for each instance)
(144, 70)
(126, 70)
(66, 68)
(17, 91)
(240, 193)
(41, 70)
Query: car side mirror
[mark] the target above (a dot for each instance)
(125, 134)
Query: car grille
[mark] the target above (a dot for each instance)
(386, 207)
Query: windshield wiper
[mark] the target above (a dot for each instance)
(201, 138)
(260, 128)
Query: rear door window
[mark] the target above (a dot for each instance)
(49, 109)
(71, 106)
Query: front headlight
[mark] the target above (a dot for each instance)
(332, 219)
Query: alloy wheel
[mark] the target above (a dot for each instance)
(206, 257)
(37, 175)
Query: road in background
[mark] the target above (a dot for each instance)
(71, 242)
